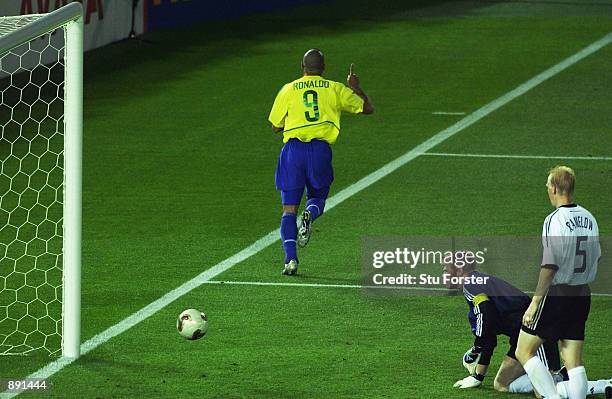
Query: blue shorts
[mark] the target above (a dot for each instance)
(304, 165)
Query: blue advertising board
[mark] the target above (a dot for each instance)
(170, 13)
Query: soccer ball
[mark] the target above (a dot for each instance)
(192, 324)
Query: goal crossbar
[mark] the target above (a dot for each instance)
(36, 25)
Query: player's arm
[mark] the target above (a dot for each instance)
(471, 357)
(485, 325)
(481, 369)
(278, 113)
(484, 343)
(486, 331)
(547, 273)
(353, 82)
(477, 371)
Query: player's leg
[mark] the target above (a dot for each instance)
(511, 377)
(526, 354)
(315, 205)
(571, 352)
(549, 354)
(290, 181)
(594, 388)
(319, 177)
(576, 304)
(572, 342)
(288, 229)
(543, 327)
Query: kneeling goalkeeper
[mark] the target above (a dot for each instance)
(496, 308)
(307, 112)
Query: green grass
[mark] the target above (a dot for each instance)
(332, 343)
(179, 175)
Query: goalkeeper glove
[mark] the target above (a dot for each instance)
(468, 382)
(471, 358)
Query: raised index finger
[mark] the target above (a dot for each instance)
(351, 69)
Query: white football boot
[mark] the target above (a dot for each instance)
(304, 228)
(291, 268)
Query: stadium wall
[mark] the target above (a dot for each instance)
(171, 13)
(106, 21)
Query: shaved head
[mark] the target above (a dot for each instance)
(313, 62)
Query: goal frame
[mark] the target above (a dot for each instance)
(70, 19)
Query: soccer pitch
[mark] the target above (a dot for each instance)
(178, 178)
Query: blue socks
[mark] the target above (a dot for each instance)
(315, 206)
(288, 232)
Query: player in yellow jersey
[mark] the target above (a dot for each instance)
(307, 113)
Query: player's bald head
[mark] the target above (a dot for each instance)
(457, 267)
(313, 62)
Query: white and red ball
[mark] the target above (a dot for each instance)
(192, 324)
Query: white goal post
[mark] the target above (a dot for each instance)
(41, 117)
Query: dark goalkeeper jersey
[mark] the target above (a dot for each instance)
(495, 309)
(506, 298)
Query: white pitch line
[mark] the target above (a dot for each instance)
(315, 285)
(263, 283)
(449, 154)
(338, 198)
(448, 113)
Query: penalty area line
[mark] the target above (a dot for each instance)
(509, 156)
(270, 238)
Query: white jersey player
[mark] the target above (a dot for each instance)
(561, 303)
(570, 238)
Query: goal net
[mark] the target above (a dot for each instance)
(40, 181)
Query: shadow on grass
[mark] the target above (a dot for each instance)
(165, 54)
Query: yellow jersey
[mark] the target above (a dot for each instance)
(309, 108)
